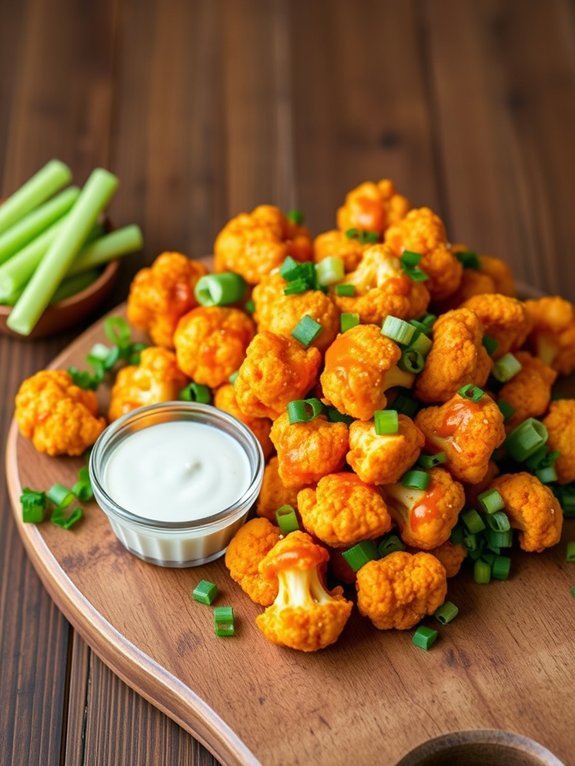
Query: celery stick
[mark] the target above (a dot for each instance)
(108, 247)
(36, 222)
(38, 293)
(34, 192)
(72, 285)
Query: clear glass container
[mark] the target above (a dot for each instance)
(169, 543)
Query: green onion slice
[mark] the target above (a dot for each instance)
(446, 613)
(497, 539)
(360, 554)
(506, 409)
(526, 439)
(547, 474)
(570, 553)
(406, 405)
(287, 519)
(398, 330)
(481, 572)
(296, 287)
(348, 320)
(491, 501)
(501, 567)
(422, 344)
(306, 330)
(506, 368)
(295, 217)
(33, 506)
(289, 269)
(498, 521)
(335, 416)
(473, 521)
(456, 536)
(390, 544)
(329, 271)
(490, 344)
(60, 519)
(345, 290)
(250, 306)
(83, 487)
(409, 259)
(304, 410)
(431, 461)
(411, 361)
(471, 392)
(118, 331)
(60, 495)
(205, 592)
(386, 422)
(416, 479)
(468, 259)
(220, 289)
(424, 638)
(195, 392)
(224, 622)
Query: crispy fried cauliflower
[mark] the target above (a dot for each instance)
(466, 431)
(308, 451)
(382, 288)
(531, 508)
(451, 556)
(457, 357)
(372, 207)
(253, 244)
(504, 319)
(342, 510)
(560, 423)
(492, 276)
(337, 244)
(157, 378)
(425, 517)
(250, 545)
(529, 391)
(161, 294)
(305, 615)
(274, 493)
(275, 371)
(225, 399)
(360, 365)
(211, 343)
(400, 589)
(59, 417)
(383, 459)
(552, 338)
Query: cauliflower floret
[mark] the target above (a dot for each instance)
(472, 491)
(280, 313)
(342, 510)
(276, 370)
(383, 459)
(560, 423)
(532, 508)
(457, 357)
(372, 207)
(155, 379)
(360, 365)
(382, 288)
(161, 294)
(451, 556)
(400, 589)
(336, 244)
(247, 548)
(211, 343)
(253, 244)
(466, 431)
(504, 319)
(305, 615)
(422, 231)
(59, 417)
(307, 451)
(274, 493)
(425, 517)
(552, 338)
(492, 276)
(529, 391)
(225, 399)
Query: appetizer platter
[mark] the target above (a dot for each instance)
(333, 480)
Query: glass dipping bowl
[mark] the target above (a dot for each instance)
(174, 543)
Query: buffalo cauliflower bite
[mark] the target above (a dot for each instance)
(251, 543)
(372, 207)
(382, 288)
(274, 493)
(504, 319)
(492, 276)
(211, 343)
(425, 517)
(457, 357)
(451, 556)
(253, 244)
(360, 365)
(161, 294)
(304, 615)
(155, 379)
(529, 391)
(308, 451)
(276, 370)
(400, 589)
(383, 458)
(336, 244)
(560, 424)
(468, 432)
(552, 337)
(532, 508)
(422, 231)
(225, 399)
(342, 510)
(59, 417)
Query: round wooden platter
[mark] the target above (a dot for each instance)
(505, 663)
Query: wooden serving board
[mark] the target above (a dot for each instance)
(505, 663)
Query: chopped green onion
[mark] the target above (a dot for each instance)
(368, 237)
(456, 536)
(506, 368)
(526, 439)
(352, 233)
(428, 320)
(416, 479)
(295, 217)
(566, 497)
(547, 474)
(86, 380)
(390, 544)
(118, 331)
(195, 392)
(329, 271)
(386, 422)
(101, 355)
(83, 487)
(499, 521)
(501, 567)
(345, 290)
(205, 592)
(419, 326)
(473, 521)
(347, 321)
(539, 459)
(406, 405)
(446, 613)
(572, 590)
(287, 519)
(306, 330)
(506, 409)
(304, 410)
(481, 572)
(417, 274)
(411, 361)
(296, 287)
(60, 495)
(490, 344)
(60, 519)
(477, 552)
(398, 330)
(570, 555)
(471, 392)
(489, 557)
(220, 289)
(424, 638)
(335, 416)
(497, 539)
(33, 506)
(290, 268)
(360, 554)
(422, 344)
(468, 259)
(250, 306)
(409, 259)
(491, 501)
(431, 461)
(470, 542)
(224, 623)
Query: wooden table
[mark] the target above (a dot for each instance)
(205, 108)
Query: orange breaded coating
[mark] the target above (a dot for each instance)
(472, 491)
(225, 399)
(531, 508)
(529, 391)
(552, 338)
(504, 319)
(400, 589)
(157, 378)
(59, 417)
(372, 207)
(466, 431)
(457, 357)
(211, 343)
(336, 244)
(274, 493)
(253, 244)
(422, 231)
(276, 370)
(247, 548)
(342, 510)
(560, 423)
(492, 276)
(382, 288)
(383, 459)
(360, 365)
(304, 616)
(161, 294)
(280, 313)
(451, 556)
(426, 517)
(308, 451)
